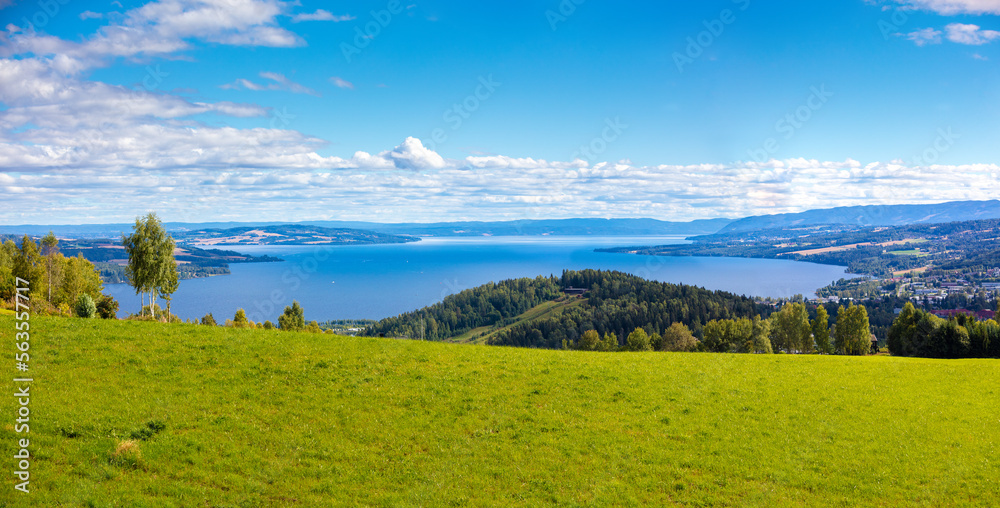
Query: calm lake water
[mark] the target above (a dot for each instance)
(378, 281)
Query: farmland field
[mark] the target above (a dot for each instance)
(227, 417)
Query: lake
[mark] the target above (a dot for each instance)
(378, 281)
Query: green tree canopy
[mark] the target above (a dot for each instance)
(820, 326)
(293, 319)
(678, 338)
(638, 340)
(852, 333)
(151, 267)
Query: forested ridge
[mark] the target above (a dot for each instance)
(615, 303)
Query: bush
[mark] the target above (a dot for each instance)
(208, 319)
(678, 338)
(590, 341)
(240, 319)
(293, 319)
(85, 306)
(638, 340)
(268, 325)
(107, 307)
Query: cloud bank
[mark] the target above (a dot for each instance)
(76, 150)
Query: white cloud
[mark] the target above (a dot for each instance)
(273, 174)
(970, 34)
(412, 154)
(278, 82)
(164, 28)
(953, 7)
(341, 83)
(925, 36)
(90, 15)
(321, 15)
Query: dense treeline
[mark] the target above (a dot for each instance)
(618, 303)
(919, 333)
(113, 273)
(487, 305)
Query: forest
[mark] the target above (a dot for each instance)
(919, 333)
(615, 302)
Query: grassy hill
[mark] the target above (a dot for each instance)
(224, 417)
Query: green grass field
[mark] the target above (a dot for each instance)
(910, 252)
(223, 417)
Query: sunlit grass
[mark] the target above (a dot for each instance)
(143, 414)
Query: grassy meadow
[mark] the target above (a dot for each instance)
(143, 414)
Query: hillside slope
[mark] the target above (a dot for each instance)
(615, 302)
(875, 215)
(224, 417)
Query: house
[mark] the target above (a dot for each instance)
(572, 291)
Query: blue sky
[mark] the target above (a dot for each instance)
(398, 111)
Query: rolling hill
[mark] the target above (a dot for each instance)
(127, 413)
(882, 215)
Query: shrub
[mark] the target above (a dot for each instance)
(107, 307)
(85, 306)
(268, 325)
(678, 338)
(240, 319)
(208, 319)
(590, 341)
(638, 340)
(293, 319)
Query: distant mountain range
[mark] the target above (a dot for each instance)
(879, 215)
(595, 227)
(286, 234)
